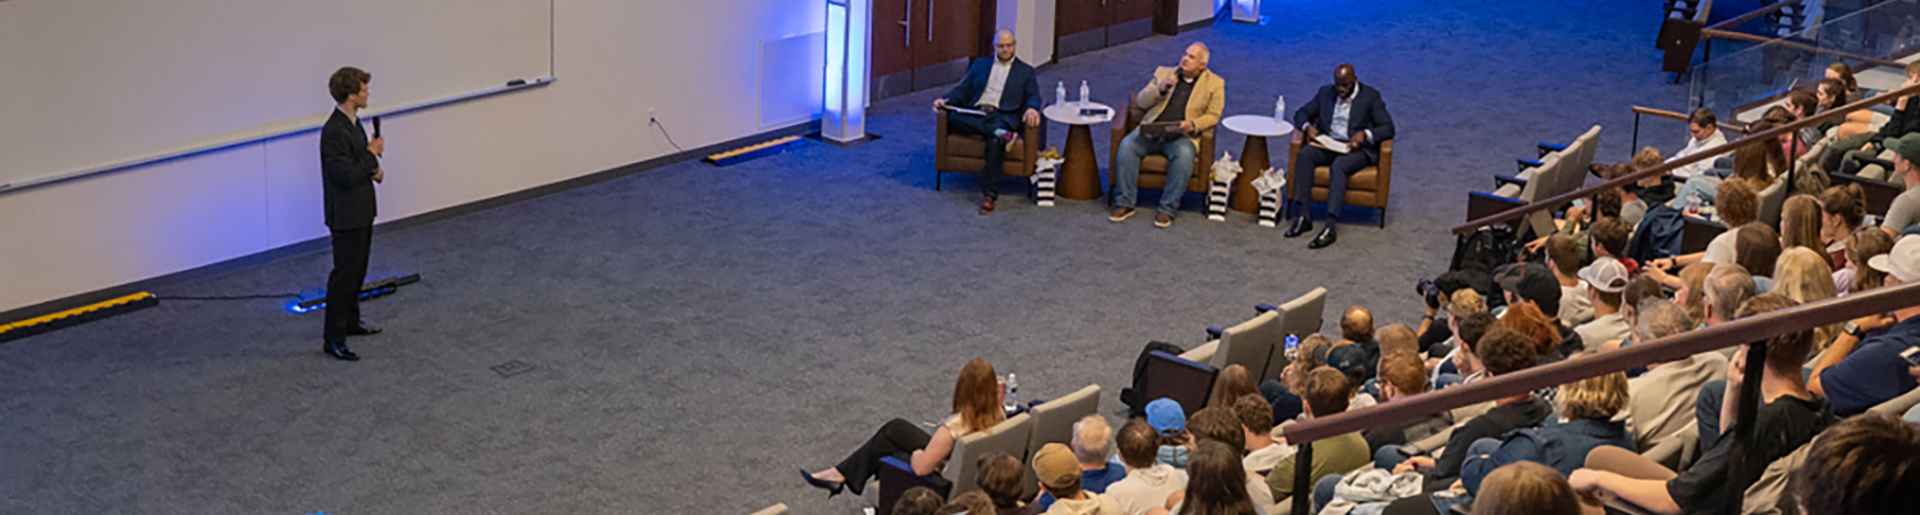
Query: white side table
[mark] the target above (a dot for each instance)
(1253, 157)
(1080, 175)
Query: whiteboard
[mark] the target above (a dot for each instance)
(95, 82)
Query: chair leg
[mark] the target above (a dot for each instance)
(1383, 218)
(936, 179)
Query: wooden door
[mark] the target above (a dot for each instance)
(892, 47)
(949, 38)
(1130, 20)
(1080, 26)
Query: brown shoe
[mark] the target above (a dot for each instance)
(1162, 220)
(986, 205)
(1120, 214)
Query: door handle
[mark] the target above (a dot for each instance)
(930, 20)
(908, 41)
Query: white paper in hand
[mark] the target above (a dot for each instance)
(1329, 143)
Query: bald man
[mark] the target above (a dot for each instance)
(1005, 89)
(1187, 96)
(1349, 112)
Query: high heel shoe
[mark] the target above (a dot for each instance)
(833, 488)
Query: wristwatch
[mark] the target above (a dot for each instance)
(1852, 329)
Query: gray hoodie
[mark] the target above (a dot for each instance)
(1147, 488)
(1093, 504)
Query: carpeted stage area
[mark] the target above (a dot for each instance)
(698, 333)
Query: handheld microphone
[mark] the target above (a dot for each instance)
(376, 126)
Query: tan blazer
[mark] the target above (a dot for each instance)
(1203, 107)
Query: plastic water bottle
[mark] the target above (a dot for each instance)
(1084, 93)
(1013, 393)
(1060, 94)
(1280, 109)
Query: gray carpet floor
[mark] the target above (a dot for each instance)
(698, 333)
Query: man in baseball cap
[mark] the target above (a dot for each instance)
(1607, 280)
(1873, 370)
(1532, 283)
(1059, 475)
(1905, 211)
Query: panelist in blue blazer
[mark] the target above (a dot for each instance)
(1353, 114)
(1003, 87)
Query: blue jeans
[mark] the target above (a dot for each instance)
(1703, 186)
(1446, 380)
(1324, 490)
(1706, 411)
(1126, 168)
(1388, 457)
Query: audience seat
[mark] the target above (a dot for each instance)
(1555, 174)
(954, 153)
(1299, 317)
(1153, 169)
(1009, 437)
(1249, 344)
(1772, 199)
(1368, 187)
(1202, 354)
(1053, 423)
(1186, 382)
(1879, 194)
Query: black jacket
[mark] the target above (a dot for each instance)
(346, 173)
(1369, 113)
(1022, 90)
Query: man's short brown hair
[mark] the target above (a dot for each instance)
(1737, 202)
(1327, 391)
(1139, 444)
(1254, 412)
(1860, 466)
(1473, 328)
(1786, 352)
(1703, 117)
(1405, 372)
(1505, 351)
(1218, 423)
(1803, 99)
(346, 82)
(1003, 478)
(970, 502)
(1611, 234)
(1564, 251)
(1398, 338)
(918, 500)
(1357, 324)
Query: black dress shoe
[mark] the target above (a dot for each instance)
(363, 329)
(339, 351)
(1327, 237)
(833, 488)
(1301, 225)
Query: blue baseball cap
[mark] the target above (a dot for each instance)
(1166, 416)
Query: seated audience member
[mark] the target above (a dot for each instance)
(1738, 204)
(1060, 477)
(1170, 422)
(1859, 466)
(1441, 361)
(1445, 287)
(1402, 376)
(1850, 88)
(1905, 120)
(1356, 328)
(1327, 394)
(1860, 371)
(1638, 197)
(1757, 249)
(1843, 210)
(1664, 397)
(1188, 95)
(1539, 329)
(977, 397)
(1233, 382)
(1216, 485)
(1727, 288)
(1563, 260)
(1395, 338)
(1004, 88)
(1905, 211)
(1503, 351)
(1788, 418)
(1587, 409)
(1802, 274)
(1805, 102)
(1703, 129)
(1256, 421)
(918, 500)
(1610, 238)
(1527, 488)
(1579, 219)
(1533, 285)
(1857, 276)
(1148, 481)
(1351, 113)
(1465, 364)
(1350, 361)
(1219, 424)
(1692, 291)
(967, 504)
(1003, 478)
(1639, 289)
(1607, 280)
(1800, 223)
(1280, 392)
(1093, 447)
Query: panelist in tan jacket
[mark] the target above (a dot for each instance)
(1191, 98)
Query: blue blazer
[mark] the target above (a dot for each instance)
(1369, 113)
(1021, 92)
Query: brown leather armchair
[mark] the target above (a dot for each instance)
(954, 153)
(1367, 187)
(1153, 169)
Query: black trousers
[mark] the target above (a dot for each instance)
(1339, 168)
(350, 249)
(996, 154)
(897, 438)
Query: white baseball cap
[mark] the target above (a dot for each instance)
(1903, 262)
(1606, 275)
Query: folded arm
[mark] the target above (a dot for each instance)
(347, 164)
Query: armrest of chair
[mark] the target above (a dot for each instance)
(1214, 333)
(1549, 148)
(1203, 163)
(896, 477)
(1523, 164)
(1503, 179)
(939, 138)
(1481, 204)
(1384, 184)
(1263, 308)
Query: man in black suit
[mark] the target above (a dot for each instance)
(1005, 89)
(349, 167)
(1349, 112)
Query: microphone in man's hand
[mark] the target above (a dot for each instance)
(376, 126)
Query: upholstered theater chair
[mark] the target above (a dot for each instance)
(1367, 188)
(1153, 169)
(954, 153)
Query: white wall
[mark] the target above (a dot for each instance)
(1196, 10)
(695, 62)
